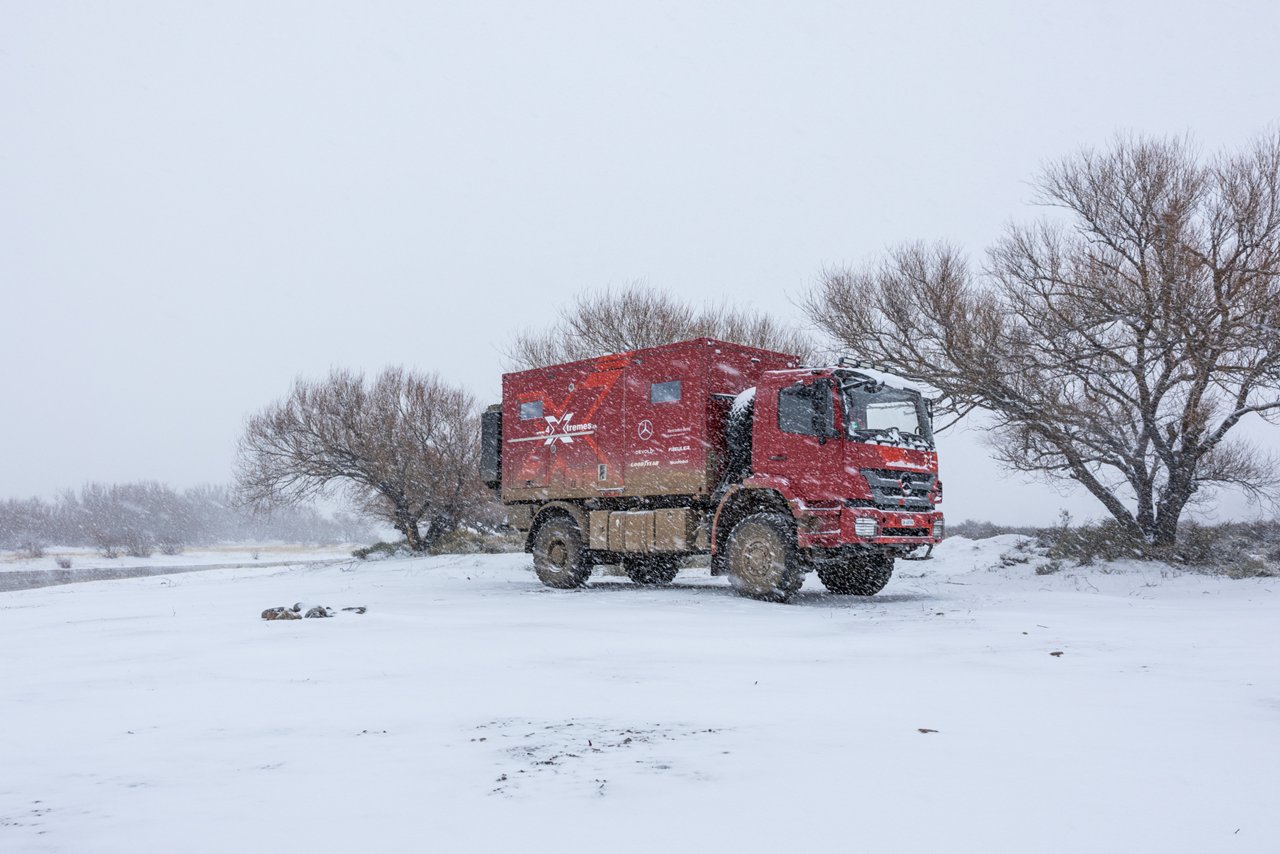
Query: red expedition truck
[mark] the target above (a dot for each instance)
(706, 447)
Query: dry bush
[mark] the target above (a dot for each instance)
(404, 447)
(1238, 550)
(976, 530)
(472, 541)
(1090, 543)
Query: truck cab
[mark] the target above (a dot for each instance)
(837, 439)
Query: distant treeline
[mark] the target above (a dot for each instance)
(141, 518)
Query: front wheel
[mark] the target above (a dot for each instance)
(761, 558)
(861, 576)
(559, 558)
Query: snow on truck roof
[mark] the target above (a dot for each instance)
(891, 380)
(663, 349)
(896, 381)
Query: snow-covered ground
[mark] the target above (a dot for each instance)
(86, 558)
(471, 709)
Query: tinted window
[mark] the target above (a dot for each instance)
(801, 409)
(531, 410)
(795, 410)
(665, 392)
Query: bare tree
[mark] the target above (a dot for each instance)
(638, 316)
(405, 447)
(26, 525)
(105, 521)
(1117, 347)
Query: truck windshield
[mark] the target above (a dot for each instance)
(885, 414)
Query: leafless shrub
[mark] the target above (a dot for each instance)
(1237, 550)
(472, 541)
(1014, 558)
(404, 447)
(1049, 567)
(976, 530)
(123, 518)
(1090, 543)
(1117, 352)
(63, 562)
(139, 547)
(1251, 566)
(379, 550)
(26, 525)
(636, 316)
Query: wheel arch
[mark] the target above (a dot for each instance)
(740, 503)
(556, 510)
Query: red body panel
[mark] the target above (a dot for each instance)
(598, 412)
(812, 470)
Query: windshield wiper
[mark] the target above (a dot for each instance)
(891, 435)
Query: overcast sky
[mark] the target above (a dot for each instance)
(201, 201)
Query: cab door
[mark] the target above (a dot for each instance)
(798, 438)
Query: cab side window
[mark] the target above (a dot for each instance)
(531, 410)
(805, 409)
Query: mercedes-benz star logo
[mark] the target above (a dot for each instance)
(645, 430)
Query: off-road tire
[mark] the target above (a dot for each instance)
(762, 559)
(651, 569)
(559, 556)
(862, 576)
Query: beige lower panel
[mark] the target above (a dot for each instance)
(631, 531)
(638, 531)
(599, 538)
(671, 530)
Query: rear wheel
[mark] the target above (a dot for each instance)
(651, 569)
(559, 557)
(861, 576)
(761, 558)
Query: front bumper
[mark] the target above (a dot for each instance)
(869, 526)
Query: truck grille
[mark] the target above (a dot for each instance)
(904, 532)
(900, 490)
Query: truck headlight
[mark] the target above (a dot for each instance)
(937, 530)
(864, 527)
